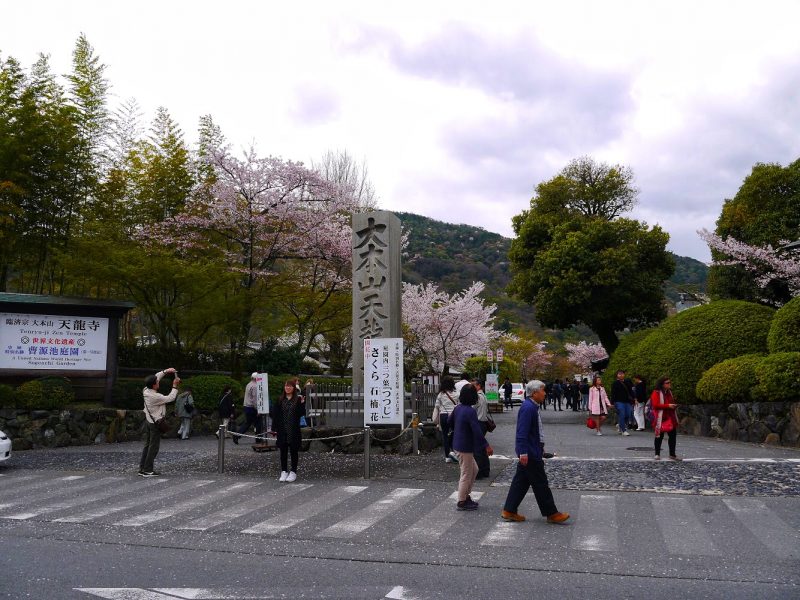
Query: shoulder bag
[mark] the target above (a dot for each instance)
(161, 424)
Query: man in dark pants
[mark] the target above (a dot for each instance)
(622, 398)
(250, 409)
(530, 469)
(508, 389)
(154, 409)
(482, 408)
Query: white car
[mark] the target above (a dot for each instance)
(517, 393)
(5, 447)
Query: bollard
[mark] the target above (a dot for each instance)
(366, 452)
(415, 433)
(221, 449)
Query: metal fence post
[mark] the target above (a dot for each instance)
(221, 449)
(415, 433)
(366, 452)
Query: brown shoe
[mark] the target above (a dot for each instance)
(675, 458)
(512, 516)
(558, 517)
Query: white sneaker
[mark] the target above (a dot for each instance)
(292, 476)
(284, 475)
(625, 433)
(454, 456)
(599, 433)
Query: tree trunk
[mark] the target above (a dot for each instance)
(608, 337)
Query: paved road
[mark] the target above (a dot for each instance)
(80, 524)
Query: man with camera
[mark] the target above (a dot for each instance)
(154, 415)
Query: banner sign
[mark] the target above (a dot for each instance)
(492, 389)
(489, 355)
(262, 394)
(383, 381)
(499, 355)
(53, 342)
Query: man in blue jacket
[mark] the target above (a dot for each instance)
(530, 469)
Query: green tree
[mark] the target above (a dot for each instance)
(765, 210)
(602, 271)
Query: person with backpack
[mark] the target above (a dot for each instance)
(445, 404)
(665, 418)
(184, 409)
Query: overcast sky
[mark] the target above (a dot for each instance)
(461, 108)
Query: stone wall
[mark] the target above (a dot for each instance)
(775, 423)
(49, 429)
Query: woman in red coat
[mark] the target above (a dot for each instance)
(665, 419)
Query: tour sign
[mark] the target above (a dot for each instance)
(383, 381)
(53, 342)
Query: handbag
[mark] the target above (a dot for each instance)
(491, 425)
(161, 424)
(591, 423)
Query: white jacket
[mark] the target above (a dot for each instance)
(155, 402)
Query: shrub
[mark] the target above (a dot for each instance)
(207, 390)
(48, 393)
(778, 378)
(784, 333)
(7, 396)
(730, 380)
(684, 346)
(623, 356)
(478, 366)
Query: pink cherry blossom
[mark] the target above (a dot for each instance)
(582, 355)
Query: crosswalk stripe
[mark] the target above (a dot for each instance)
(81, 500)
(13, 481)
(125, 594)
(433, 525)
(596, 530)
(84, 485)
(681, 529)
(148, 498)
(171, 511)
(298, 514)
(239, 510)
(29, 487)
(370, 515)
(511, 535)
(769, 528)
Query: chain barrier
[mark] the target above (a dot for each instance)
(322, 439)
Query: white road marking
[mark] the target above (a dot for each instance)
(512, 535)
(769, 528)
(23, 489)
(597, 528)
(70, 490)
(682, 531)
(239, 510)
(149, 497)
(433, 525)
(372, 514)
(298, 514)
(182, 507)
(125, 594)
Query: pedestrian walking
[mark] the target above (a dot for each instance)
(285, 415)
(639, 401)
(584, 389)
(155, 410)
(250, 409)
(558, 393)
(665, 419)
(467, 437)
(482, 410)
(530, 472)
(446, 401)
(184, 409)
(508, 390)
(623, 402)
(225, 409)
(598, 403)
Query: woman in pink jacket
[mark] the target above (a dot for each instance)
(598, 403)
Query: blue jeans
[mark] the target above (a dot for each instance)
(624, 414)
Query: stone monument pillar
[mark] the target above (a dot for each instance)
(377, 285)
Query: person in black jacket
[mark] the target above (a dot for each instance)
(640, 399)
(622, 398)
(285, 416)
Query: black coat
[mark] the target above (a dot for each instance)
(285, 415)
(620, 392)
(225, 408)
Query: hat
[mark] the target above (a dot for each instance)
(253, 375)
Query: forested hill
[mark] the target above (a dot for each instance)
(454, 256)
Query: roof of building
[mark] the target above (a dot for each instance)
(12, 298)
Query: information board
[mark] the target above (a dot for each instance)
(262, 393)
(383, 381)
(53, 342)
(492, 389)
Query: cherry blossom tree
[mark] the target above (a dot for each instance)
(763, 262)
(443, 330)
(582, 355)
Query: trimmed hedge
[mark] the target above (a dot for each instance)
(207, 390)
(784, 333)
(778, 378)
(623, 357)
(730, 380)
(684, 346)
(49, 393)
